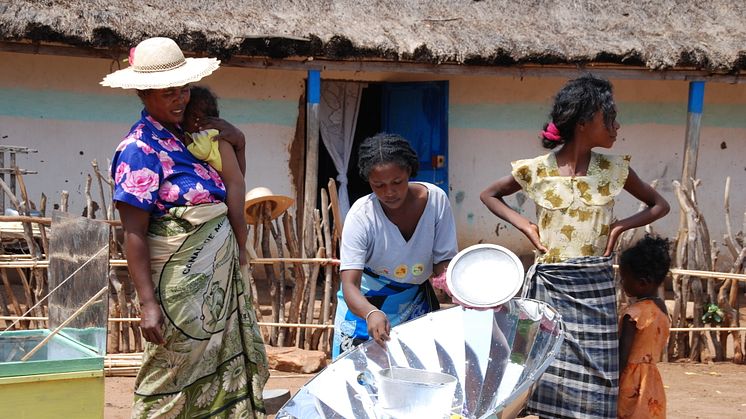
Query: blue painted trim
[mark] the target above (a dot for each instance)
(696, 96)
(314, 86)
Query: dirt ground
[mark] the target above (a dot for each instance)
(693, 390)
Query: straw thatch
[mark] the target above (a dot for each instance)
(658, 34)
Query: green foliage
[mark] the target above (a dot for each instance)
(713, 315)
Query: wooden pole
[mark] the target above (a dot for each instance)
(276, 234)
(269, 270)
(693, 124)
(104, 206)
(88, 198)
(300, 278)
(64, 195)
(42, 228)
(27, 234)
(248, 273)
(2, 177)
(113, 342)
(338, 222)
(27, 294)
(12, 297)
(326, 302)
(308, 300)
(313, 97)
(689, 171)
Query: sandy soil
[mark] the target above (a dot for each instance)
(693, 390)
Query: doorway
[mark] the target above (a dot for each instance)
(418, 111)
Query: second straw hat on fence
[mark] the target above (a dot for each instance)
(259, 195)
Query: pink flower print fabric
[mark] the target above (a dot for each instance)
(141, 183)
(154, 171)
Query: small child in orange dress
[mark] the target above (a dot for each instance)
(643, 329)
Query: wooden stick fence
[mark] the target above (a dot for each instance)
(43, 264)
(137, 319)
(307, 324)
(331, 326)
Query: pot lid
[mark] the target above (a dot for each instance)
(485, 275)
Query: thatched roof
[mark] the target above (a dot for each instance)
(658, 34)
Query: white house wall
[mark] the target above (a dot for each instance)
(56, 106)
(494, 120)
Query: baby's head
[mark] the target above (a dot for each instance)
(202, 104)
(644, 266)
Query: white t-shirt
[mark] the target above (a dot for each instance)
(370, 239)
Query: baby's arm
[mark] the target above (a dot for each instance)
(626, 338)
(231, 134)
(235, 190)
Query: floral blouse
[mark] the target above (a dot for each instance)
(154, 171)
(573, 212)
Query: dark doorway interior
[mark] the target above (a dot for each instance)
(418, 111)
(368, 124)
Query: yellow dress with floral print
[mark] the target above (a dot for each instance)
(573, 212)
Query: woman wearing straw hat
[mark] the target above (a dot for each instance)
(205, 355)
(394, 240)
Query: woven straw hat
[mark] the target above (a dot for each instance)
(158, 63)
(259, 195)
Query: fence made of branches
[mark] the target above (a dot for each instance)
(295, 296)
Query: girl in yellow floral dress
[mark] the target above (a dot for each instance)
(643, 329)
(575, 233)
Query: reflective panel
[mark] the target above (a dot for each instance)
(495, 356)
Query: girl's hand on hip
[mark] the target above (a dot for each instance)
(151, 323)
(615, 230)
(379, 327)
(532, 232)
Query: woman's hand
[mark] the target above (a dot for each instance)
(532, 232)
(440, 282)
(378, 327)
(657, 207)
(151, 323)
(135, 223)
(243, 259)
(615, 230)
(492, 198)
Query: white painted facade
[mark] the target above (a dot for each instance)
(492, 120)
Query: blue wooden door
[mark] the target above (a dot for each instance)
(419, 113)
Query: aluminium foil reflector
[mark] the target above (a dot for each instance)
(496, 355)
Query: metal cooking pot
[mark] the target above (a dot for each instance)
(409, 392)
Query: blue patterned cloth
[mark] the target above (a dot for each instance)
(154, 171)
(401, 302)
(583, 380)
